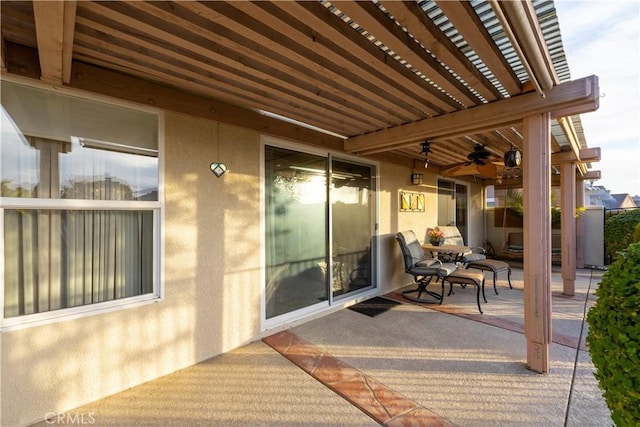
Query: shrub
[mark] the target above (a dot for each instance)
(619, 230)
(636, 236)
(614, 337)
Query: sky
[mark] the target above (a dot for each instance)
(602, 38)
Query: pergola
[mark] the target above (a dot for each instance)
(364, 77)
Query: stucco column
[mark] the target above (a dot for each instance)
(580, 225)
(537, 240)
(568, 227)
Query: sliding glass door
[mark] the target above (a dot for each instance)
(352, 226)
(296, 230)
(452, 205)
(319, 224)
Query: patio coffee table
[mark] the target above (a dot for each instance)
(454, 252)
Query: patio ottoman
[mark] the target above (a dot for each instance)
(494, 266)
(467, 277)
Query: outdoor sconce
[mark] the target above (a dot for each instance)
(218, 168)
(416, 178)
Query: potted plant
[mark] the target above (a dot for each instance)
(436, 237)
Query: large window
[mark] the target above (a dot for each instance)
(79, 204)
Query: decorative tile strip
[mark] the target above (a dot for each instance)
(385, 406)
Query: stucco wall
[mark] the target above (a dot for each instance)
(394, 179)
(212, 289)
(212, 280)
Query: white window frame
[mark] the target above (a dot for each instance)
(158, 208)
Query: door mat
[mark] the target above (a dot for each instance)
(374, 306)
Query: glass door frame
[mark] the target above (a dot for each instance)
(455, 183)
(332, 301)
(373, 221)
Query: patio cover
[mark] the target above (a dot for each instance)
(371, 78)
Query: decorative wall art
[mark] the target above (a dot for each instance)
(411, 202)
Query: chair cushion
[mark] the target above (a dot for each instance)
(473, 257)
(473, 277)
(411, 244)
(490, 264)
(448, 268)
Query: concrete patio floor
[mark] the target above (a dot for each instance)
(411, 365)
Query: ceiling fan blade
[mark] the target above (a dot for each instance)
(487, 170)
(467, 168)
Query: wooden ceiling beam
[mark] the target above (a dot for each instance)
(566, 124)
(507, 112)
(585, 155)
(465, 19)
(55, 23)
(3, 49)
(49, 19)
(514, 183)
(70, 8)
(590, 175)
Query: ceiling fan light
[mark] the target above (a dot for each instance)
(512, 158)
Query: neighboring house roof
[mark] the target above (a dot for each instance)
(619, 201)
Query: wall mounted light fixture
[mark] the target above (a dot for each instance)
(416, 178)
(218, 168)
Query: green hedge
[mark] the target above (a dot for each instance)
(614, 337)
(619, 231)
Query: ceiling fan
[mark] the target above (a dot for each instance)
(481, 162)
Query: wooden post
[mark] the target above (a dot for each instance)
(568, 227)
(537, 239)
(580, 225)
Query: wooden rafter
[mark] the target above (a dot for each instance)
(413, 18)
(372, 19)
(3, 49)
(468, 24)
(55, 22)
